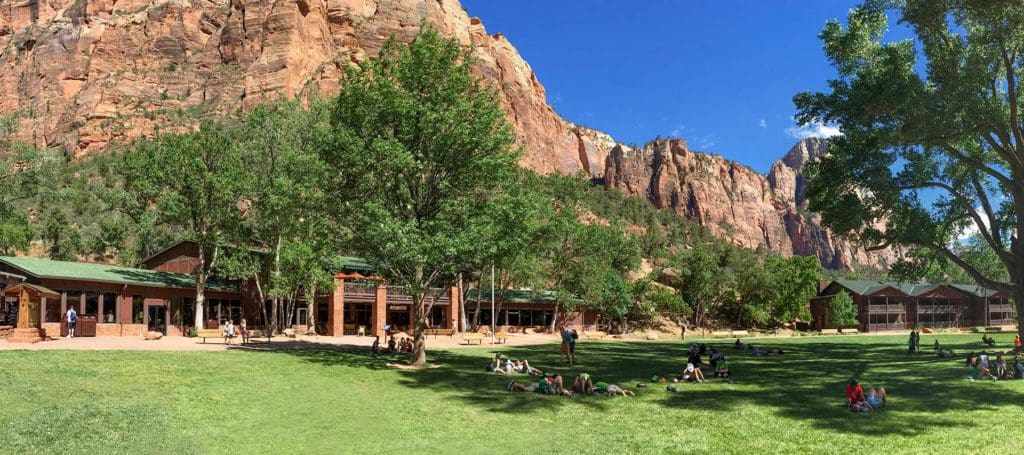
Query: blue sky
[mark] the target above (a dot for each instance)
(721, 74)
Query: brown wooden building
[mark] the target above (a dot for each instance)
(160, 296)
(901, 306)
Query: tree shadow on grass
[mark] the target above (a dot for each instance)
(804, 384)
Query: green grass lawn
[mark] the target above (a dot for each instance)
(316, 401)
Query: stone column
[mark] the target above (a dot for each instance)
(380, 311)
(336, 310)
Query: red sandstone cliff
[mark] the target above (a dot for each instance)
(735, 202)
(87, 73)
(84, 74)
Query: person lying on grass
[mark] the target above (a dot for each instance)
(495, 364)
(551, 385)
(523, 366)
(583, 384)
(942, 353)
(692, 373)
(612, 390)
(874, 400)
(758, 352)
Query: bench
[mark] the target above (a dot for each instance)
(212, 333)
(721, 334)
(830, 331)
(500, 337)
(471, 337)
(993, 329)
(740, 333)
(850, 331)
(436, 332)
(594, 334)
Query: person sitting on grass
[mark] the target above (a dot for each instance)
(1000, 367)
(945, 354)
(375, 349)
(970, 360)
(392, 345)
(722, 369)
(714, 358)
(1018, 369)
(695, 358)
(583, 384)
(988, 340)
(937, 346)
(855, 399)
(980, 372)
(691, 373)
(739, 345)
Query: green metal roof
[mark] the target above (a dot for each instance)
(45, 268)
(866, 287)
(516, 296)
(353, 263)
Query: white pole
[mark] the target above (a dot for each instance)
(494, 317)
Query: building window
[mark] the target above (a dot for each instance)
(74, 299)
(109, 307)
(437, 317)
(52, 310)
(92, 303)
(138, 303)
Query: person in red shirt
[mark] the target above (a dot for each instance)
(854, 395)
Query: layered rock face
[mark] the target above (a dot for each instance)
(735, 202)
(87, 73)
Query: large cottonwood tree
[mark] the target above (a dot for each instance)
(933, 138)
(420, 144)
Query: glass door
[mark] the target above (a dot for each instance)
(158, 319)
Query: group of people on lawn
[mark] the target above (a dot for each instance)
(403, 346)
(982, 368)
(230, 331)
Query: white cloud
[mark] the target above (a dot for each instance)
(814, 129)
(972, 230)
(677, 131)
(763, 123)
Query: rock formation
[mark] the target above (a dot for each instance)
(735, 202)
(85, 74)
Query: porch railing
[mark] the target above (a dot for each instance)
(887, 309)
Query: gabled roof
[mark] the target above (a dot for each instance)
(868, 287)
(39, 291)
(45, 268)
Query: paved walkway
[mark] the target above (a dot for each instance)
(196, 344)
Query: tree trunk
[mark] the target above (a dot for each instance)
(461, 326)
(310, 301)
(200, 286)
(1018, 300)
(476, 316)
(274, 317)
(419, 351)
(554, 318)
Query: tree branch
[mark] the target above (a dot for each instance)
(994, 223)
(973, 272)
(952, 151)
(1011, 94)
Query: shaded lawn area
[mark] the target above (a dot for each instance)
(328, 401)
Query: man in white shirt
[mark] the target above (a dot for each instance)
(72, 322)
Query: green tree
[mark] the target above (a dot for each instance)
(194, 181)
(279, 145)
(930, 148)
(841, 310)
(420, 143)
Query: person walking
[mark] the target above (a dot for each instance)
(569, 337)
(72, 322)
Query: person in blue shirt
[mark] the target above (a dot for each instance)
(568, 345)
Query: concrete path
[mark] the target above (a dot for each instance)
(196, 344)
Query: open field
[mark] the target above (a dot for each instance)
(330, 401)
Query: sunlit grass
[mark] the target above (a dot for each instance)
(346, 402)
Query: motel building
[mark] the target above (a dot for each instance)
(159, 296)
(883, 305)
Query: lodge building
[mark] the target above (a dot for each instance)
(160, 296)
(900, 306)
